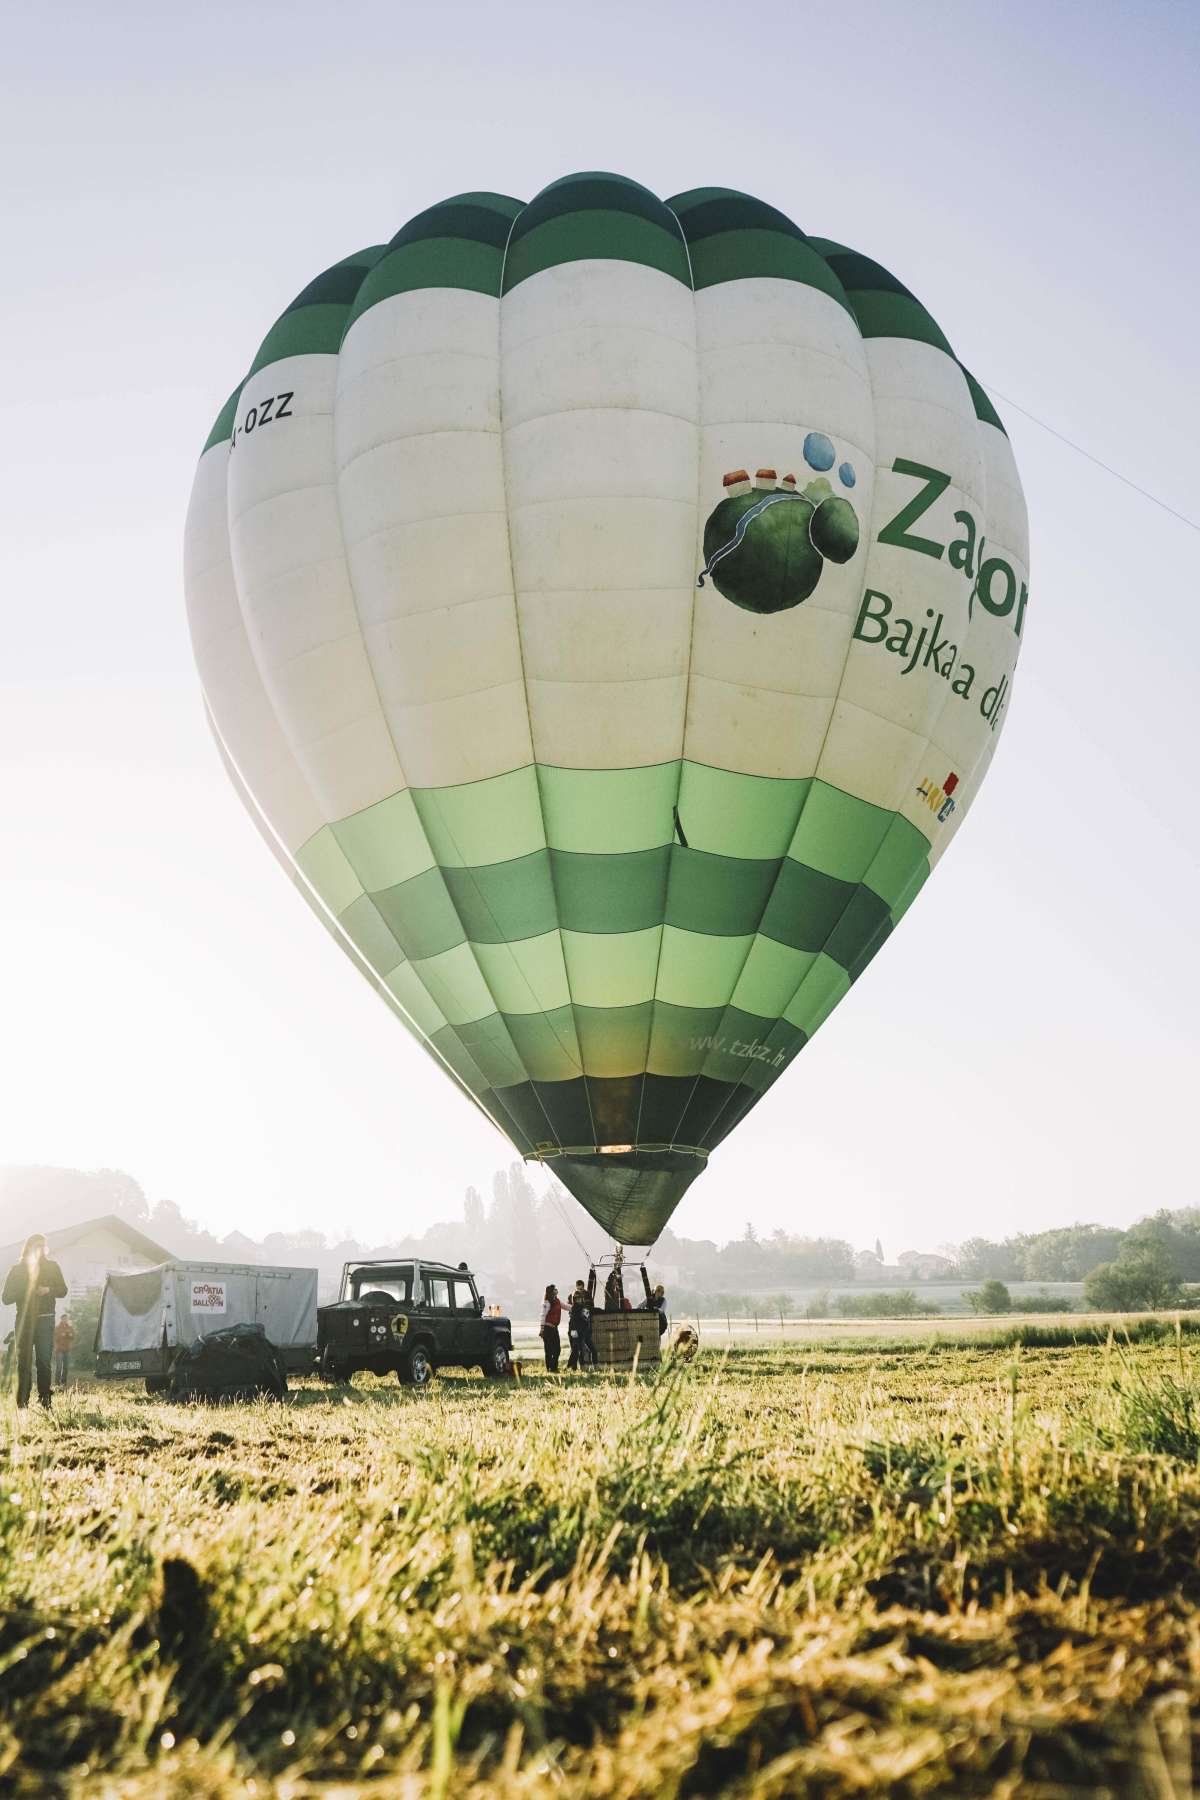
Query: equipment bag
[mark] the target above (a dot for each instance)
(238, 1363)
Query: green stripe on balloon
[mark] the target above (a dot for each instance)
(883, 306)
(734, 237)
(312, 325)
(583, 236)
(222, 430)
(594, 215)
(984, 410)
(457, 244)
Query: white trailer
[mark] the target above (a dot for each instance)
(145, 1318)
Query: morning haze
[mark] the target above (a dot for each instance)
(1022, 1054)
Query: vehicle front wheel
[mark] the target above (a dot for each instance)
(498, 1361)
(417, 1369)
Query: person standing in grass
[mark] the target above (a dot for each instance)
(33, 1285)
(579, 1326)
(551, 1318)
(65, 1335)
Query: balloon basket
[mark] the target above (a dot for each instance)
(620, 1337)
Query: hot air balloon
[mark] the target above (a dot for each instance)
(608, 608)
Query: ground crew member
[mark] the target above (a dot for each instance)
(32, 1286)
(579, 1326)
(65, 1335)
(551, 1318)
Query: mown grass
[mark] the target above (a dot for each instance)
(958, 1570)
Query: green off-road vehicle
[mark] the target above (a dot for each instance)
(412, 1316)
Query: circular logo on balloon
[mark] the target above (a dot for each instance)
(767, 541)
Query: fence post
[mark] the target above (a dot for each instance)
(756, 1321)
(728, 1327)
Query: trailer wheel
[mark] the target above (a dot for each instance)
(330, 1370)
(156, 1384)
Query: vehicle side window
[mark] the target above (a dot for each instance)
(437, 1293)
(464, 1297)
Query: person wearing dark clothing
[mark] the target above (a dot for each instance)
(65, 1335)
(614, 1292)
(551, 1319)
(657, 1303)
(579, 1326)
(32, 1286)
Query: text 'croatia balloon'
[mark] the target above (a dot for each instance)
(608, 608)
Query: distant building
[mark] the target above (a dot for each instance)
(86, 1253)
(925, 1265)
(241, 1249)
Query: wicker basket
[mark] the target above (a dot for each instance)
(617, 1335)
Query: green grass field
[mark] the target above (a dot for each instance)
(828, 1568)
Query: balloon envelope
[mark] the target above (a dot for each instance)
(608, 610)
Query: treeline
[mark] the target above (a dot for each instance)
(517, 1238)
(1072, 1252)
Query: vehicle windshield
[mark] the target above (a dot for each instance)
(388, 1283)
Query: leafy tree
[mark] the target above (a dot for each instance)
(992, 1297)
(1141, 1280)
(981, 1260)
(1046, 1303)
(84, 1314)
(1068, 1253)
(1176, 1236)
(473, 1211)
(903, 1304)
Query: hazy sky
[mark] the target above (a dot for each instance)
(1024, 1051)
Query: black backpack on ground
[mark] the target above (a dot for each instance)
(238, 1363)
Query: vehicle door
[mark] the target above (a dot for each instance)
(469, 1329)
(436, 1306)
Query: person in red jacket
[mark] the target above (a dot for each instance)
(551, 1319)
(32, 1286)
(65, 1335)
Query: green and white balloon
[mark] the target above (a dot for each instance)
(608, 608)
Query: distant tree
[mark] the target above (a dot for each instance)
(902, 1304)
(818, 1305)
(749, 1236)
(981, 1260)
(515, 1213)
(1046, 1303)
(1141, 1280)
(992, 1297)
(84, 1314)
(1175, 1236)
(474, 1212)
(310, 1241)
(879, 1249)
(1068, 1253)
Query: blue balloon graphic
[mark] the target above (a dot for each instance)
(818, 451)
(847, 475)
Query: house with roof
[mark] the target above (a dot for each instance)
(85, 1253)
